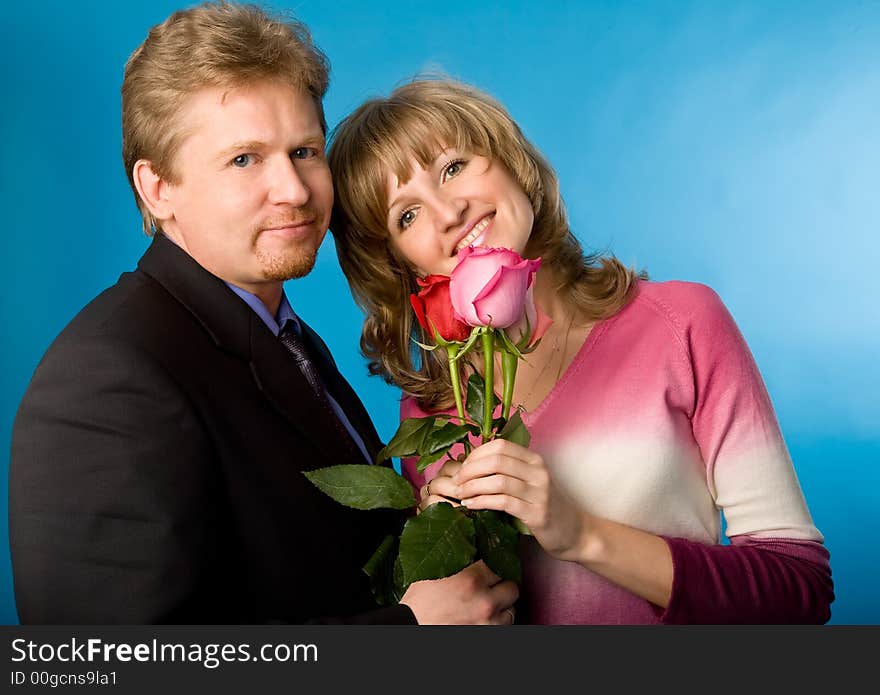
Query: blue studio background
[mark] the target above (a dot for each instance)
(733, 143)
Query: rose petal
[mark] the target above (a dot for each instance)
(419, 310)
(543, 322)
(504, 302)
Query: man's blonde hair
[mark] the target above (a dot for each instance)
(216, 44)
(419, 120)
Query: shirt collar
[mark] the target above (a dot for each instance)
(274, 323)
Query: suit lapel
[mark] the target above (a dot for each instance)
(344, 393)
(236, 329)
(286, 387)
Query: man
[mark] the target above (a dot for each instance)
(158, 454)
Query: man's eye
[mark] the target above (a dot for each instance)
(406, 219)
(305, 153)
(241, 161)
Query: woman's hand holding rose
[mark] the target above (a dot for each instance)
(504, 476)
(441, 488)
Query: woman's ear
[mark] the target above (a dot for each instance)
(152, 189)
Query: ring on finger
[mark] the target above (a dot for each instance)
(512, 614)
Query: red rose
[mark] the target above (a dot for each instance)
(432, 305)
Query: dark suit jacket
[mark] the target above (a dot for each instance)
(156, 469)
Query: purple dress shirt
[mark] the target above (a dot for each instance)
(275, 324)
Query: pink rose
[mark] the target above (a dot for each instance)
(488, 287)
(534, 320)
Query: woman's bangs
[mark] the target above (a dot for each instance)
(393, 139)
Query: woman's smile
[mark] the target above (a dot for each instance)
(476, 236)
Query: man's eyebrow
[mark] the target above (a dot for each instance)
(245, 146)
(312, 140)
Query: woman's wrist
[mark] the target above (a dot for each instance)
(590, 548)
(638, 561)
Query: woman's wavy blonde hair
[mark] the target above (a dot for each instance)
(420, 119)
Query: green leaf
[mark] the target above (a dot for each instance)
(428, 459)
(474, 405)
(515, 431)
(380, 570)
(497, 541)
(443, 438)
(437, 543)
(523, 343)
(363, 486)
(534, 346)
(508, 345)
(476, 331)
(474, 426)
(474, 398)
(520, 526)
(400, 584)
(408, 438)
(429, 348)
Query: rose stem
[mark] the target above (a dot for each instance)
(509, 364)
(488, 338)
(451, 352)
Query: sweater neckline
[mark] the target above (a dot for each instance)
(530, 418)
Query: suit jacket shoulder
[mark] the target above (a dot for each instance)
(158, 456)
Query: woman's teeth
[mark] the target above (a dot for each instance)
(474, 234)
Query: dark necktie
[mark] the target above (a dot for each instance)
(297, 347)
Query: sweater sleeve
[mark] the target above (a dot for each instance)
(776, 568)
(751, 581)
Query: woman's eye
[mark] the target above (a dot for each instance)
(305, 153)
(241, 161)
(406, 219)
(453, 169)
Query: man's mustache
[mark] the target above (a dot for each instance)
(293, 219)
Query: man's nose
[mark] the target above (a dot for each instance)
(288, 185)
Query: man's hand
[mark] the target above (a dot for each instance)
(474, 596)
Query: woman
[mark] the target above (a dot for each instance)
(647, 413)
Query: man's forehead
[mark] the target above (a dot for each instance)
(234, 117)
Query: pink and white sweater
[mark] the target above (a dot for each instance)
(661, 422)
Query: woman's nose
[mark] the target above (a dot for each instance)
(450, 211)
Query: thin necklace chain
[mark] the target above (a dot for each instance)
(550, 358)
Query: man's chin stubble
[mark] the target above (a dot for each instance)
(279, 268)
